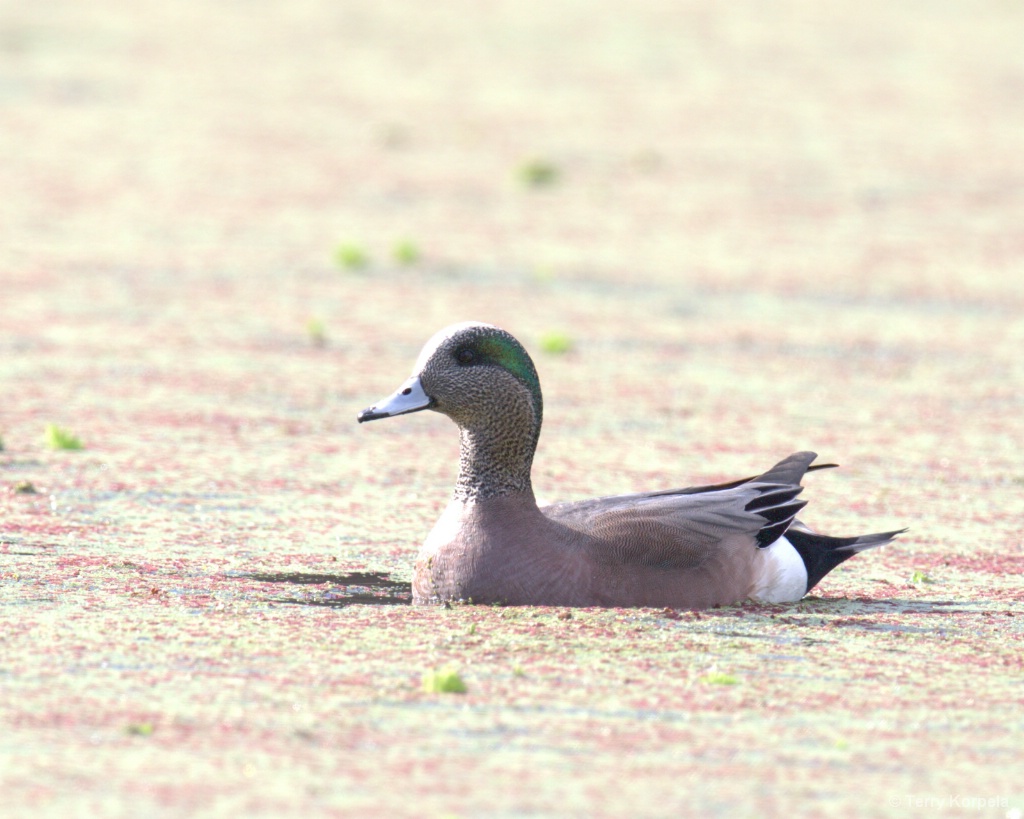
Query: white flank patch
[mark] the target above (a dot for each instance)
(782, 576)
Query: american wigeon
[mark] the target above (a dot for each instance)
(681, 548)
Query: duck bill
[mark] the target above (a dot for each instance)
(410, 397)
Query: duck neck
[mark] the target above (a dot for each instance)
(495, 460)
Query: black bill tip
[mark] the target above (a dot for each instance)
(371, 414)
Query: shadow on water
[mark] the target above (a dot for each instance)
(356, 588)
(885, 614)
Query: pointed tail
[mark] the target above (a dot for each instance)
(821, 553)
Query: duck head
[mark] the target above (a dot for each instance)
(484, 380)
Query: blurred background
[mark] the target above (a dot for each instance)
(865, 151)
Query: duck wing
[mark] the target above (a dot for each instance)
(684, 528)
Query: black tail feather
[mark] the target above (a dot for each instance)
(778, 506)
(821, 553)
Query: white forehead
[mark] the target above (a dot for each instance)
(440, 337)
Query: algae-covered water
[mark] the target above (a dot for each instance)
(760, 231)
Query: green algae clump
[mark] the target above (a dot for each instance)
(350, 256)
(555, 343)
(443, 681)
(58, 438)
(719, 678)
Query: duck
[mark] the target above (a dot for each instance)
(691, 548)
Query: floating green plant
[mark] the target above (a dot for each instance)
(140, 729)
(555, 343)
(719, 678)
(443, 681)
(58, 438)
(538, 173)
(350, 256)
(405, 252)
(920, 577)
(25, 488)
(317, 331)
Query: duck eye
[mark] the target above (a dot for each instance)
(465, 356)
